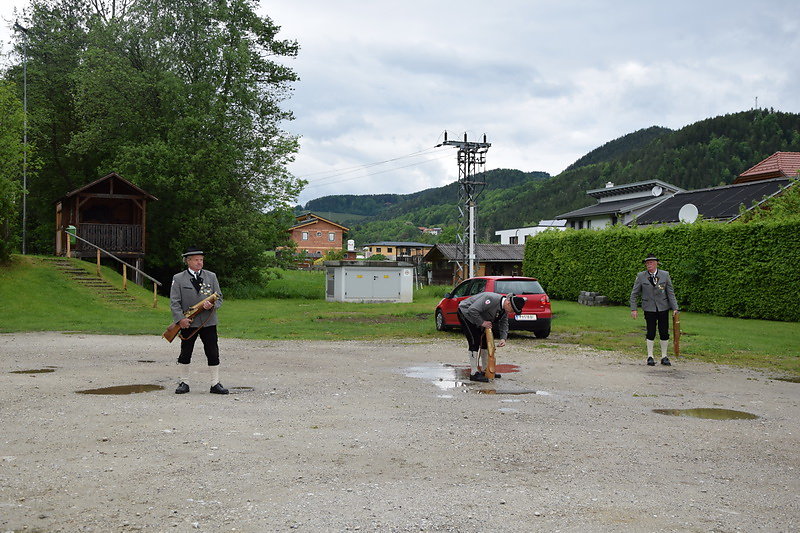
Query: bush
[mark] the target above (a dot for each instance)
(739, 270)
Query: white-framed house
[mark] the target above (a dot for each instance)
(518, 235)
(619, 204)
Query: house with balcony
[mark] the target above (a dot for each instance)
(317, 235)
(411, 252)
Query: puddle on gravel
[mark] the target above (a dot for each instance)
(34, 371)
(145, 361)
(445, 378)
(708, 413)
(122, 389)
(500, 391)
(462, 371)
(790, 380)
(239, 390)
(449, 378)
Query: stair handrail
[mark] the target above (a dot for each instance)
(156, 283)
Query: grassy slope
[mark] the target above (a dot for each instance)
(38, 298)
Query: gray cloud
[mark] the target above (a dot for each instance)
(546, 81)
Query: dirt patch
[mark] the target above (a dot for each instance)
(339, 436)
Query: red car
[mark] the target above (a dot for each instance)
(536, 315)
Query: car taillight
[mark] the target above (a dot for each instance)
(545, 299)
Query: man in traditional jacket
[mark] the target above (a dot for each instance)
(658, 297)
(190, 287)
(483, 311)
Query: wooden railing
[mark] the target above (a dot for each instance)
(117, 237)
(125, 265)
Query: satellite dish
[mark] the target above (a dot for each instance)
(657, 190)
(688, 213)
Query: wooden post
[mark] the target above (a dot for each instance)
(490, 363)
(676, 333)
(124, 277)
(69, 252)
(155, 296)
(98, 263)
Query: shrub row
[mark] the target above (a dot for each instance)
(739, 270)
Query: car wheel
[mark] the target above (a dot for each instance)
(542, 333)
(440, 325)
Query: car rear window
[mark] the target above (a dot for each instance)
(518, 286)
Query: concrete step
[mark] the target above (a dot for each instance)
(100, 287)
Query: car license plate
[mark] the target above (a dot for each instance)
(526, 317)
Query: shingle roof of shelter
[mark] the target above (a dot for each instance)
(716, 203)
(110, 180)
(496, 253)
(778, 165)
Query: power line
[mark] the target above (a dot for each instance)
(318, 184)
(335, 173)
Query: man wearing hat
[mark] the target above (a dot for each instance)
(658, 297)
(189, 288)
(482, 311)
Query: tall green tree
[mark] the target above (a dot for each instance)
(184, 100)
(11, 161)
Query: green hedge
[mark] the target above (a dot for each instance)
(739, 270)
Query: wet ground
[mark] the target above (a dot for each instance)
(388, 436)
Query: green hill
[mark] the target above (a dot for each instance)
(704, 154)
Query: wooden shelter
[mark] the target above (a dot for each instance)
(492, 260)
(110, 212)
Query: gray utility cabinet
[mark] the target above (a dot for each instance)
(369, 281)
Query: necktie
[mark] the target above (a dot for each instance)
(197, 281)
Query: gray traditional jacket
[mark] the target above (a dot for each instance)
(655, 297)
(486, 306)
(183, 295)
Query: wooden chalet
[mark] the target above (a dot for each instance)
(110, 212)
(491, 260)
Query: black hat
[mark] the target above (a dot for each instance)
(517, 303)
(650, 257)
(193, 251)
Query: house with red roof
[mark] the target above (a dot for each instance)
(759, 183)
(778, 165)
(316, 235)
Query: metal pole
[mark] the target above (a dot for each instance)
(472, 239)
(24, 137)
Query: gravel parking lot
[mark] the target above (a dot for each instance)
(387, 436)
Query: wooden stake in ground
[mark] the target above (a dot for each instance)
(676, 333)
(489, 370)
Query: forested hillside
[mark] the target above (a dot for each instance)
(704, 154)
(398, 216)
(619, 147)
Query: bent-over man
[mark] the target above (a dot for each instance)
(483, 311)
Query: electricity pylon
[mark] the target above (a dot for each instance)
(471, 160)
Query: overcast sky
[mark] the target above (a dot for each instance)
(545, 81)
